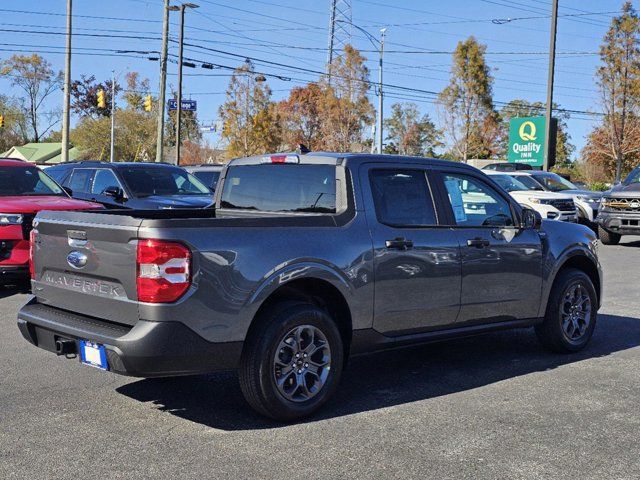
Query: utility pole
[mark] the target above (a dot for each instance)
(66, 104)
(182, 9)
(552, 61)
(113, 118)
(163, 82)
(380, 97)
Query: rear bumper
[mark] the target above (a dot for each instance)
(621, 223)
(149, 349)
(13, 273)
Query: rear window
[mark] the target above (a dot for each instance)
(281, 188)
(26, 181)
(164, 181)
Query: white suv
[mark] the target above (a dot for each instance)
(528, 193)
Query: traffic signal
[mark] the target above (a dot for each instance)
(102, 101)
(1, 121)
(148, 104)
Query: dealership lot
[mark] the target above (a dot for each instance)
(496, 406)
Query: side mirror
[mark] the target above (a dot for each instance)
(68, 191)
(530, 219)
(116, 192)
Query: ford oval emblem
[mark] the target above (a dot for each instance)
(77, 259)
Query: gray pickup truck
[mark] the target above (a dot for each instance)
(305, 261)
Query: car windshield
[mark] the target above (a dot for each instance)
(281, 188)
(27, 181)
(208, 177)
(161, 180)
(509, 183)
(529, 182)
(554, 182)
(634, 177)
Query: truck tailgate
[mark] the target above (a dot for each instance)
(85, 262)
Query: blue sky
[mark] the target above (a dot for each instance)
(294, 33)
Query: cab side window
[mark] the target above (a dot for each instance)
(80, 180)
(402, 198)
(475, 203)
(102, 180)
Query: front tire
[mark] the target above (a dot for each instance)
(571, 313)
(292, 362)
(607, 237)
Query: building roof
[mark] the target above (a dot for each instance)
(41, 153)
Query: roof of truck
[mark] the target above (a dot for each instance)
(333, 158)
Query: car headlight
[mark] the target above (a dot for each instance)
(10, 219)
(539, 201)
(587, 199)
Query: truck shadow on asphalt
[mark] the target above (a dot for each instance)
(389, 378)
(10, 290)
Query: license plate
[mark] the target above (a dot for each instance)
(93, 354)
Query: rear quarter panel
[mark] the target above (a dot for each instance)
(236, 267)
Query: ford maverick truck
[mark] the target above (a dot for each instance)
(305, 261)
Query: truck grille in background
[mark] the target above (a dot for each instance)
(27, 225)
(5, 249)
(619, 204)
(564, 205)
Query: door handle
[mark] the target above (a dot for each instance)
(399, 243)
(478, 242)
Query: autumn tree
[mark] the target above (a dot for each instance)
(345, 109)
(84, 96)
(615, 143)
(467, 104)
(523, 108)
(409, 133)
(300, 117)
(35, 77)
(15, 130)
(249, 117)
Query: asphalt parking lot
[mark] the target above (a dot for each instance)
(496, 406)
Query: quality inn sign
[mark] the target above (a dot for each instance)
(526, 140)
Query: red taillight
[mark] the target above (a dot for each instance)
(32, 248)
(280, 158)
(164, 271)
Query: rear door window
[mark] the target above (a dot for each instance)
(402, 198)
(81, 180)
(280, 188)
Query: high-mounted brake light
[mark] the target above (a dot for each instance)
(32, 247)
(280, 159)
(163, 271)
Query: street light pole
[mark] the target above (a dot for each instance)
(66, 105)
(163, 83)
(552, 60)
(380, 95)
(113, 118)
(182, 8)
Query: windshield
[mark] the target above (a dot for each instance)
(162, 181)
(509, 183)
(529, 182)
(281, 188)
(27, 181)
(554, 182)
(634, 177)
(209, 178)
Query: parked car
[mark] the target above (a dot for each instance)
(307, 260)
(620, 210)
(586, 201)
(207, 173)
(507, 167)
(24, 191)
(133, 185)
(550, 205)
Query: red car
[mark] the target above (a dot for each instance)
(24, 191)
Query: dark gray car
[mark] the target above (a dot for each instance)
(307, 260)
(620, 210)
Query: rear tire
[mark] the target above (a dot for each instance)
(607, 237)
(571, 313)
(268, 379)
